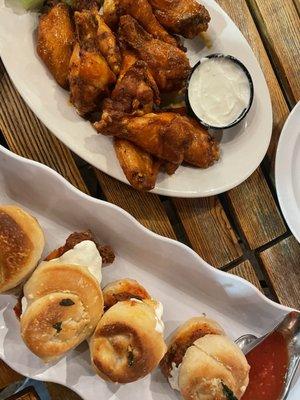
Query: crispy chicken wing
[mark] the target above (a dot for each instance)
(168, 64)
(55, 42)
(184, 17)
(141, 11)
(93, 34)
(135, 93)
(164, 135)
(90, 75)
(204, 150)
(139, 167)
(90, 78)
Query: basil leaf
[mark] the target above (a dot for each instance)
(228, 392)
(66, 302)
(57, 326)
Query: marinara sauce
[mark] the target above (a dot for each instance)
(268, 362)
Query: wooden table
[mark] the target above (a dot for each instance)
(242, 231)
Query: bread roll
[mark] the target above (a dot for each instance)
(128, 343)
(184, 337)
(123, 289)
(212, 364)
(64, 302)
(21, 246)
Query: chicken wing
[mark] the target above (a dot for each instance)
(93, 34)
(163, 135)
(90, 78)
(203, 150)
(184, 17)
(55, 41)
(168, 64)
(141, 11)
(139, 167)
(134, 94)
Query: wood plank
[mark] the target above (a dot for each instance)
(256, 211)
(26, 394)
(208, 230)
(279, 25)
(239, 12)
(145, 207)
(245, 270)
(282, 265)
(7, 375)
(28, 137)
(59, 392)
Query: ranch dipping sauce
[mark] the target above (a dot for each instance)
(219, 91)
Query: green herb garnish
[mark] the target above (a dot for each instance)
(57, 326)
(228, 392)
(66, 302)
(130, 358)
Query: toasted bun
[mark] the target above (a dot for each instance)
(126, 345)
(50, 294)
(54, 324)
(210, 363)
(50, 277)
(184, 337)
(123, 289)
(21, 246)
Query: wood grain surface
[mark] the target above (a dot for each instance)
(28, 137)
(245, 270)
(209, 230)
(59, 392)
(145, 207)
(279, 25)
(26, 394)
(256, 211)
(282, 265)
(7, 375)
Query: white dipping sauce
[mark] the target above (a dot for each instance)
(219, 91)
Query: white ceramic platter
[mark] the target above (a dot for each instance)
(242, 147)
(287, 171)
(185, 284)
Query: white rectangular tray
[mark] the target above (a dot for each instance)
(185, 284)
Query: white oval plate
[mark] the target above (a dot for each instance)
(287, 171)
(185, 284)
(242, 147)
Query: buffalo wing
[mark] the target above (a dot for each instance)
(184, 17)
(55, 41)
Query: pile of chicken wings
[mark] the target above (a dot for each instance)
(117, 62)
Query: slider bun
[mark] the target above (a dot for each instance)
(211, 362)
(49, 328)
(21, 246)
(125, 346)
(123, 289)
(50, 277)
(184, 337)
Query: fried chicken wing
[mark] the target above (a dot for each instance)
(90, 75)
(55, 41)
(139, 167)
(134, 94)
(141, 11)
(184, 17)
(163, 135)
(90, 78)
(168, 64)
(203, 150)
(93, 34)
